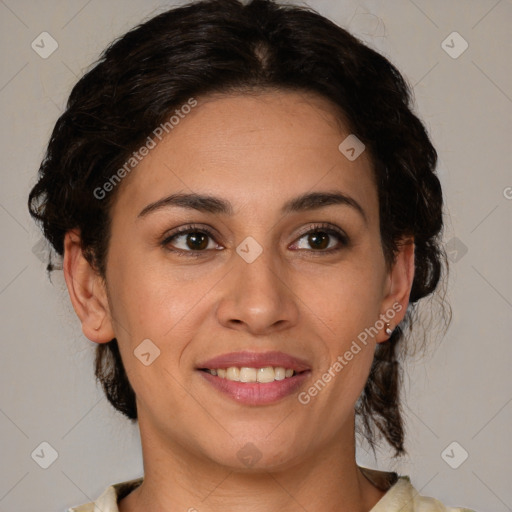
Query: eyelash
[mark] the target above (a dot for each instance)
(191, 228)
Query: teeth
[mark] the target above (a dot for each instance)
(247, 374)
(266, 374)
(279, 373)
(232, 373)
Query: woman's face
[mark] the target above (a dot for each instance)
(257, 283)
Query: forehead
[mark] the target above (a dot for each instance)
(251, 149)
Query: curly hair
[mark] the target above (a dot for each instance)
(225, 46)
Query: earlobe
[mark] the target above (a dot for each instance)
(399, 285)
(86, 291)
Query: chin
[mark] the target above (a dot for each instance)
(257, 455)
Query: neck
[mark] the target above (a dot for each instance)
(176, 480)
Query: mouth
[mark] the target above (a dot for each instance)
(253, 378)
(250, 374)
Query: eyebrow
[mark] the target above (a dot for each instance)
(217, 205)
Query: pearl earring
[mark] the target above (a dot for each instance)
(388, 330)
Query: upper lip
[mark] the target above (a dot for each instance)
(255, 360)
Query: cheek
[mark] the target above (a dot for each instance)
(154, 314)
(344, 308)
(346, 298)
(154, 302)
(148, 299)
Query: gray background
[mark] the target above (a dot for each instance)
(459, 392)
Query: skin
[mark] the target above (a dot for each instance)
(257, 152)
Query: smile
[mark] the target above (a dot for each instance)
(248, 374)
(255, 378)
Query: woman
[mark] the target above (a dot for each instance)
(248, 212)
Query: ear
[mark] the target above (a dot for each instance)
(397, 288)
(87, 291)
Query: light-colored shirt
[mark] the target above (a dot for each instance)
(400, 495)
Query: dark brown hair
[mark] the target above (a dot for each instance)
(224, 46)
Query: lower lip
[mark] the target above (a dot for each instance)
(256, 393)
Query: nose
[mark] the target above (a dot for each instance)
(257, 297)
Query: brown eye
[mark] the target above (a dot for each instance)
(196, 241)
(322, 239)
(319, 240)
(190, 240)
